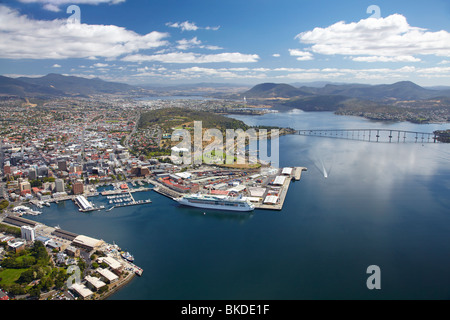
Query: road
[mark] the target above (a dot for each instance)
(127, 138)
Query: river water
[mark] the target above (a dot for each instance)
(359, 204)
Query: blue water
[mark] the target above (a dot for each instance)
(381, 204)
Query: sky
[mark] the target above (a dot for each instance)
(228, 41)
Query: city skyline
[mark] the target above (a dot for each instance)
(173, 42)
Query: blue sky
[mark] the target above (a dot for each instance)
(246, 42)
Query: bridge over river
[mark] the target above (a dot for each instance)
(373, 135)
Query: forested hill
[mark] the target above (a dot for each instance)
(169, 118)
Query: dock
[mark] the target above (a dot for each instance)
(137, 270)
(295, 176)
(133, 203)
(281, 197)
(112, 192)
(278, 191)
(298, 172)
(159, 188)
(167, 192)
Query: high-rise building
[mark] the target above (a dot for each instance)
(24, 185)
(32, 173)
(7, 169)
(62, 165)
(59, 185)
(43, 171)
(78, 187)
(28, 233)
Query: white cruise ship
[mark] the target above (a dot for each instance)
(215, 202)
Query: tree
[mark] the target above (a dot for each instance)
(47, 284)
(81, 265)
(4, 204)
(35, 292)
(27, 276)
(16, 290)
(40, 253)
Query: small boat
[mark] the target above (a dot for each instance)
(127, 256)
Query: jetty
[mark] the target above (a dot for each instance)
(298, 172)
(120, 191)
(268, 204)
(133, 203)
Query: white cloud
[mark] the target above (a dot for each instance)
(14, 75)
(190, 57)
(100, 65)
(189, 26)
(301, 55)
(26, 38)
(386, 59)
(363, 75)
(51, 7)
(184, 26)
(384, 38)
(209, 47)
(276, 55)
(54, 5)
(56, 66)
(213, 28)
(226, 73)
(434, 70)
(184, 44)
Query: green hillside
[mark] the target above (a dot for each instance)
(169, 118)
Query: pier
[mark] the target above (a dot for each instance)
(281, 197)
(159, 188)
(298, 172)
(85, 205)
(294, 176)
(133, 203)
(113, 192)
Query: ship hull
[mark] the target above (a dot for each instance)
(245, 208)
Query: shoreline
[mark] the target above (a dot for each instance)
(117, 287)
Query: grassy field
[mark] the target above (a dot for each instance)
(9, 276)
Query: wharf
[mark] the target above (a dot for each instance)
(298, 172)
(92, 209)
(295, 176)
(282, 196)
(133, 203)
(172, 194)
(111, 192)
(167, 192)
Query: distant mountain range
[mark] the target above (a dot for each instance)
(56, 85)
(401, 101)
(404, 90)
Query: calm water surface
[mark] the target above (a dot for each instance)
(381, 204)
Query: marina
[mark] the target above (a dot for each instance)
(26, 210)
(117, 198)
